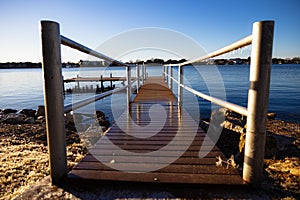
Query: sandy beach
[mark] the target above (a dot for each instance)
(24, 170)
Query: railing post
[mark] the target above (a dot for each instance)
(137, 78)
(180, 81)
(128, 80)
(163, 72)
(143, 74)
(258, 97)
(167, 73)
(171, 80)
(53, 99)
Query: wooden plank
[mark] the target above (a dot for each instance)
(211, 154)
(173, 151)
(157, 177)
(172, 168)
(140, 159)
(152, 147)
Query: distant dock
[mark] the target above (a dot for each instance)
(86, 88)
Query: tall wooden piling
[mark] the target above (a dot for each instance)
(258, 98)
(53, 97)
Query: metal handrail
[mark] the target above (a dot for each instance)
(258, 94)
(79, 104)
(236, 45)
(231, 106)
(75, 45)
(54, 105)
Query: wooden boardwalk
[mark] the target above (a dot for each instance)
(164, 147)
(95, 79)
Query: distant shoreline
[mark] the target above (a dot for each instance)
(157, 62)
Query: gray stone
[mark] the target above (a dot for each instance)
(40, 111)
(8, 111)
(100, 114)
(29, 120)
(69, 119)
(28, 112)
(271, 115)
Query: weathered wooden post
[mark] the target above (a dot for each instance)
(143, 74)
(78, 82)
(171, 80)
(63, 84)
(101, 81)
(167, 73)
(137, 78)
(128, 80)
(53, 99)
(111, 83)
(258, 97)
(180, 81)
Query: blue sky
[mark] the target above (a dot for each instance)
(212, 24)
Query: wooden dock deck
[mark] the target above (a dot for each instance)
(96, 79)
(166, 148)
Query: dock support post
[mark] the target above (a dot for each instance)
(137, 78)
(143, 74)
(258, 97)
(167, 73)
(53, 99)
(63, 84)
(180, 81)
(101, 81)
(128, 80)
(78, 86)
(171, 80)
(111, 83)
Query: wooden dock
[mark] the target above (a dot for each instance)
(96, 79)
(166, 148)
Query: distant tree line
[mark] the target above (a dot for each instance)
(152, 61)
(16, 65)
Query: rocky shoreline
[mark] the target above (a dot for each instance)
(23, 148)
(24, 155)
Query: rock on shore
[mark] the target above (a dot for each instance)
(282, 150)
(23, 148)
(24, 161)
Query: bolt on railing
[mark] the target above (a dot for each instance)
(260, 69)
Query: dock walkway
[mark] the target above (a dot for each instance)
(158, 142)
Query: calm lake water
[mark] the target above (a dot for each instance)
(23, 88)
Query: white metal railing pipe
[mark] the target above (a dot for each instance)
(70, 43)
(231, 106)
(76, 105)
(236, 45)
